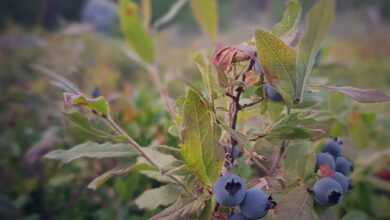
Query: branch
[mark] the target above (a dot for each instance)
(171, 14)
(154, 75)
(251, 104)
(138, 148)
(276, 162)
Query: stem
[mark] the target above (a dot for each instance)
(279, 157)
(138, 148)
(156, 79)
(154, 75)
(251, 104)
(234, 109)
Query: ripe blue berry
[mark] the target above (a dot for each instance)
(256, 204)
(327, 191)
(272, 94)
(344, 181)
(343, 166)
(324, 159)
(333, 147)
(101, 14)
(238, 216)
(229, 190)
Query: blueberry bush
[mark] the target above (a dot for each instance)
(253, 140)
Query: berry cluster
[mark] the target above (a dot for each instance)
(230, 191)
(334, 169)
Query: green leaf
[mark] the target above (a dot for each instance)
(239, 137)
(183, 208)
(98, 105)
(200, 149)
(92, 150)
(299, 161)
(80, 121)
(295, 205)
(134, 31)
(205, 70)
(146, 7)
(290, 19)
(355, 215)
(153, 198)
(361, 128)
(165, 161)
(117, 171)
(290, 127)
(206, 14)
(318, 23)
(278, 61)
(208, 210)
(172, 151)
(328, 213)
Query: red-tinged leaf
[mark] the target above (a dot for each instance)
(325, 170)
(361, 95)
(384, 174)
(98, 105)
(224, 57)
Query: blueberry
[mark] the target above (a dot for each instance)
(344, 181)
(272, 94)
(256, 204)
(343, 166)
(325, 159)
(333, 147)
(101, 14)
(229, 190)
(95, 92)
(327, 191)
(238, 216)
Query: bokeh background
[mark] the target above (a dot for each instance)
(81, 41)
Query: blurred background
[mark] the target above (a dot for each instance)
(81, 41)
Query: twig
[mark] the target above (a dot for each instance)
(279, 157)
(138, 148)
(154, 75)
(251, 104)
(260, 165)
(156, 79)
(257, 137)
(171, 14)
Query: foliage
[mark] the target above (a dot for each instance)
(131, 155)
